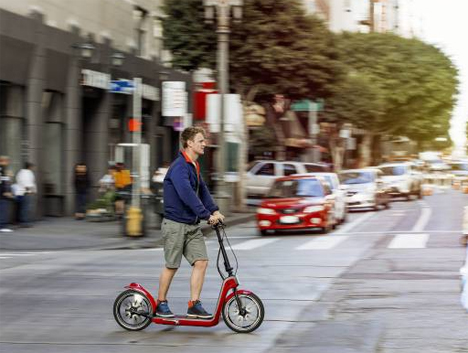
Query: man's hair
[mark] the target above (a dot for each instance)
(189, 134)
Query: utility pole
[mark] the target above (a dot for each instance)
(223, 11)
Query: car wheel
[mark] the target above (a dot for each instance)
(264, 232)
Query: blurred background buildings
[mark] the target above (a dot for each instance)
(57, 108)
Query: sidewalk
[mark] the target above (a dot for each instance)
(69, 234)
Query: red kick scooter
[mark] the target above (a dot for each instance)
(242, 310)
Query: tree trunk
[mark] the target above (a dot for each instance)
(365, 150)
(336, 152)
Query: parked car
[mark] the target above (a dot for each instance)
(402, 179)
(458, 168)
(366, 189)
(261, 174)
(338, 194)
(296, 202)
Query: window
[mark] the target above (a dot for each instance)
(140, 16)
(295, 188)
(289, 169)
(268, 169)
(312, 168)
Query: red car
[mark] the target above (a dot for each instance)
(296, 202)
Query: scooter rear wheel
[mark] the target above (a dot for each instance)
(133, 310)
(247, 321)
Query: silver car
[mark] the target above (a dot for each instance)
(365, 188)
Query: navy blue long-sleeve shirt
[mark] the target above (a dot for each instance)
(181, 202)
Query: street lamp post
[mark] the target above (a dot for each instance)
(223, 10)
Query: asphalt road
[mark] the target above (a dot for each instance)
(384, 282)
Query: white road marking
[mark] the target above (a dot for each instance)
(409, 241)
(347, 227)
(324, 243)
(253, 244)
(423, 219)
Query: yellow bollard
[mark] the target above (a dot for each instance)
(427, 190)
(134, 222)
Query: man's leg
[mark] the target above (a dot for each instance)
(165, 280)
(197, 279)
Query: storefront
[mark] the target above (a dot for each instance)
(57, 109)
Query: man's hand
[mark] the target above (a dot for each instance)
(213, 220)
(8, 195)
(219, 215)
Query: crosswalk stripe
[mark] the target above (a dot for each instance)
(409, 241)
(253, 244)
(323, 243)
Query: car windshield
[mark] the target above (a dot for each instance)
(393, 170)
(296, 188)
(459, 166)
(356, 178)
(252, 164)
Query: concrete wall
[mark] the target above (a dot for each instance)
(112, 19)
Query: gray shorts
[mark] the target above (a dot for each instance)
(182, 239)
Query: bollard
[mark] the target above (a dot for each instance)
(427, 189)
(134, 222)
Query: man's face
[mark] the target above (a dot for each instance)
(198, 144)
(4, 161)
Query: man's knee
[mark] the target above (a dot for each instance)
(201, 264)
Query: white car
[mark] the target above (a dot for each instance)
(365, 188)
(338, 194)
(261, 174)
(402, 179)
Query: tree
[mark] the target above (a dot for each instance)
(276, 49)
(394, 86)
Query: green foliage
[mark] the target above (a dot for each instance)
(191, 41)
(395, 86)
(262, 139)
(275, 49)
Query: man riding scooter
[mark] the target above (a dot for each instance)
(187, 200)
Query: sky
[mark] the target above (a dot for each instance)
(444, 23)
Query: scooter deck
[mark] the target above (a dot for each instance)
(184, 321)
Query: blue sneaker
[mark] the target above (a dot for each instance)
(195, 310)
(162, 310)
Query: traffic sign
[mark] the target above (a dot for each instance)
(122, 86)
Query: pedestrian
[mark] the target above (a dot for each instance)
(26, 188)
(6, 195)
(123, 188)
(186, 202)
(82, 183)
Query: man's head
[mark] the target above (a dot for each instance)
(28, 165)
(4, 160)
(194, 139)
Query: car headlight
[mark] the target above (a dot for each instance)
(312, 209)
(263, 210)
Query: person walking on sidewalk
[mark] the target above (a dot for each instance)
(81, 183)
(186, 202)
(26, 189)
(6, 195)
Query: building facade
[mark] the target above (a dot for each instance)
(357, 15)
(57, 108)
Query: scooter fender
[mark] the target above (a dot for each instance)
(139, 288)
(238, 291)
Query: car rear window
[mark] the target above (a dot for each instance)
(296, 188)
(312, 168)
(356, 178)
(393, 170)
(459, 166)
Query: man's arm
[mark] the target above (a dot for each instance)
(180, 179)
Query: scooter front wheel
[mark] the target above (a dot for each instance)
(246, 319)
(133, 310)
